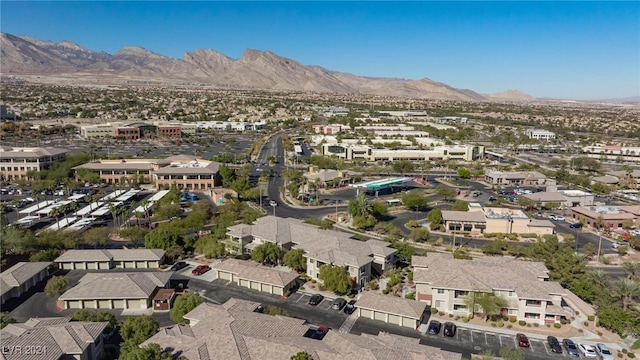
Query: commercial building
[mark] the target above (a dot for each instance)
(402, 113)
(539, 134)
(327, 177)
(21, 277)
(518, 178)
(184, 171)
(126, 133)
(137, 130)
(565, 198)
(453, 119)
(446, 283)
(97, 259)
(479, 220)
(613, 152)
(329, 129)
(16, 162)
(321, 247)
(612, 217)
(235, 331)
(53, 339)
(231, 125)
(251, 275)
(392, 310)
(368, 153)
(115, 290)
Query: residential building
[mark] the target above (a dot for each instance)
(53, 339)
(540, 134)
(612, 217)
(565, 198)
(481, 220)
(16, 162)
(446, 283)
(613, 152)
(360, 258)
(392, 310)
(235, 330)
(97, 259)
(115, 290)
(518, 178)
(184, 171)
(251, 275)
(21, 277)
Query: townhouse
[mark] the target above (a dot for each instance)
(446, 283)
(17, 162)
(360, 258)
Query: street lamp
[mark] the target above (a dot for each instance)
(274, 209)
(599, 243)
(260, 189)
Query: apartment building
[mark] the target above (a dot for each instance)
(437, 153)
(518, 178)
(446, 283)
(540, 134)
(15, 162)
(613, 152)
(183, 171)
(479, 220)
(360, 258)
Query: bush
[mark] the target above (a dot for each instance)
(586, 323)
(385, 291)
(465, 320)
(620, 355)
(434, 311)
(631, 355)
(500, 324)
(557, 325)
(493, 324)
(450, 315)
(536, 325)
(636, 345)
(599, 333)
(522, 323)
(441, 313)
(373, 285)
(591, 317)
(513, 319)
(548, 325)
(411, 296)
(457, 318)
(509, 326)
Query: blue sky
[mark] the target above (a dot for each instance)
(577, 50)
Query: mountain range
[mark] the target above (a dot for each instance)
(23, 55)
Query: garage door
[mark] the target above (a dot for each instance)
(79, 266)
(104, 265)
(366, 313)
(88, 304)
(411, 323)
(141, 264)
(379, 316)
(132, 304)
(277, 290)
(244, 283)
(118, 304)
(395, 319)
(92, 265)
(224, 275)
(255, 285)
(74, 304)
(103, 304)
(152, 264)
(67, 266)
(267, 288)
(130, 264)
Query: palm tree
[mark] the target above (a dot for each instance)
(74, 207)
(360, 206)
(56, 212)
(626, 290)
(632, 269)
(487, 303)
(598, 277)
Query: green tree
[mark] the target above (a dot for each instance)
(161, 238)
(496, 247)
(227, 174)
(210, 247)
(56, 286)
(415, 200)
(275, 310)
(403, 166)
(404, 250)
(149, 352)
(364, 222)
(95, 316)
(419, 234)
(335, 278)
(267, 253)
(446, 192)
(302, 355)
(625, 290)
(96, 236)
(183, 304)
(460, 205)
(295, 259)
(487, 304)
(134, 234)
(464, 173)
(564, 266)
(5, 319)
(135, 330)
(359, 206)
(435, 218)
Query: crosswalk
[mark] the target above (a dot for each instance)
(348, 323)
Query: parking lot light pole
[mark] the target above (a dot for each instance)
(274, 210)
(599, 244)
(260, 188)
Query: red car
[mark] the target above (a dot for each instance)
(200, 269)
(523, 340)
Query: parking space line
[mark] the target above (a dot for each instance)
(515, 343)
(471, 334)
(330, 304)
(546, 348)
(486, 341)
(500, 339)
(301, 296)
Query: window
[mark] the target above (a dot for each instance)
(467, 227)
(513, 312)
(457, 307)
(531, 316)
(440, 291)
(512, 293)
(439, 304)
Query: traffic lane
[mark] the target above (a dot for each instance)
(583, 237)
(296, 305)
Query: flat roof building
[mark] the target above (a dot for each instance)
(16, 162)
(479, 220)
(612, 217)
(540, 134)
(518, 178)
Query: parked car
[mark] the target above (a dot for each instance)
(273, 203)
(492, 198)
(449, 329)
(434, 327)
(350, 307)
(617, 244)
(259, 309)
(604, 352)
(576, 226)
(317, 334)
(523, 340)
(559, 218)
(200, 269)
(316, 299)
(338, 304)
(572, 349)
(179, 266)
(587, 351)
(554, 344)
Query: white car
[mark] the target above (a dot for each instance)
(587, 351)
(604, 352)
(273, 203)
(553, 217)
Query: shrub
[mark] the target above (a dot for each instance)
(586, 323)
(509, 326)
(624, 351)
(591, 317)
(599, 333)
(500, 324)
(493, 324)
(636, 345)
(434, 311)
(536, 325)
(385, 291)
(577, 313)
(411, 296)
(522, 323)
(457, 318)
(465, 320)
(631, 355)
(529, 325)
(513, 319)
(557, 325)
(374, 285)
(620, 355)
(441, 313)
(450, 315)
(548, 325)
